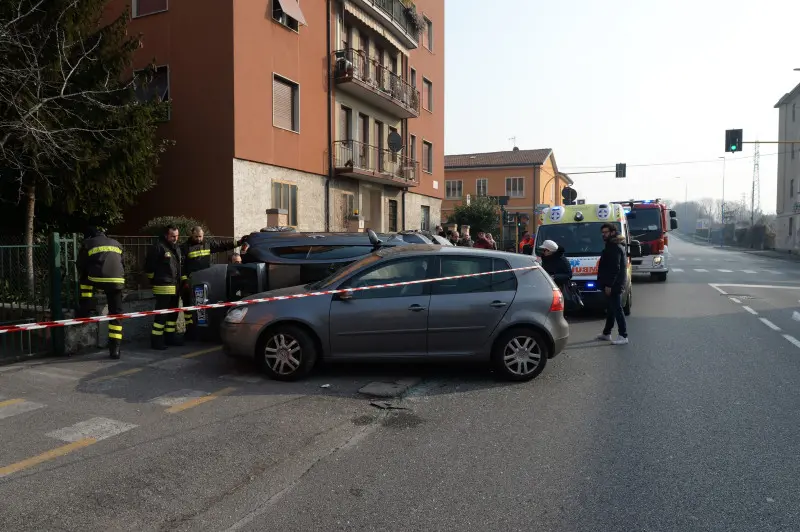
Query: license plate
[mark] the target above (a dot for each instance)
(200, 299)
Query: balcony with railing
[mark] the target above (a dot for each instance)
(371, 163)
(366, 78)
(398, 16)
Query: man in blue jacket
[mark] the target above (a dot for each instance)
(612, 278)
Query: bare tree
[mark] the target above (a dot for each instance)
(62, 95)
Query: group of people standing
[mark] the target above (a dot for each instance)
(168, 267)
(482, 240)
(612, 278)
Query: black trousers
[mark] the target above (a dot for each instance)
(88, 306)
(164, 324)
(614, 312)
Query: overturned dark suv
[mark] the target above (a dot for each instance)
(279, 259)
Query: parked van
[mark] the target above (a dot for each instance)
(577, 229)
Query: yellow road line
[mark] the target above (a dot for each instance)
(203, 352)
(116, 375)
(44, 457)
(191, 403)
(10, 402)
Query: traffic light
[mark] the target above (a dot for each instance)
(733, 140)
(622, 169)
(568, 195)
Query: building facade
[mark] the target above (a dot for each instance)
(528, 177)
(787, 206)
(322, 111)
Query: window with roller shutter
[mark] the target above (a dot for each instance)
(285, 108)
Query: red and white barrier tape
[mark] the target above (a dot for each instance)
(244, 302)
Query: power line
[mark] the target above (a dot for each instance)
(731, 160)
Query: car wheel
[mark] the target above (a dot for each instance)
(520, 355)
(628, 303)
(287, 353)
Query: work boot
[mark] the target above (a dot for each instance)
(157, 342)
(173, 339)
(114, 349)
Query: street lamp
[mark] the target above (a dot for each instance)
(722, 207)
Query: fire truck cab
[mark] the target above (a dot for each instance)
(649, 222)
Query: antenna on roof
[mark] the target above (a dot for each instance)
(514, 142)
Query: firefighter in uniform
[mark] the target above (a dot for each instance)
(164, 271)
(196, 252)
(100, 268)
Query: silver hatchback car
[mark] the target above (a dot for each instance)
(514, 319)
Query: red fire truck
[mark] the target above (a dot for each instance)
(649, 222)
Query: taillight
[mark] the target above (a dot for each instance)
(558, 301)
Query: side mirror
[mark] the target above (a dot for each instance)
(344, 296)
(673, 223)
(673, 214)
(635, 248)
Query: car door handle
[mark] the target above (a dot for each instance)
(498, 304)
(416, 308)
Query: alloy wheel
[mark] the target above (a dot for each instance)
(283, 354)
(522, 355)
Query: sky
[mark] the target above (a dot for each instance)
(639, 82)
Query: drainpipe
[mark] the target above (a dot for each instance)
(404, 127)
(328, 53)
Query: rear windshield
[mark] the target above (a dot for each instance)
(577, 239)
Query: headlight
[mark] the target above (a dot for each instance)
(657, 260)
(236, 315)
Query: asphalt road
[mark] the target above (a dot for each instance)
(692, 426)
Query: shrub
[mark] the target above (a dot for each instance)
(155, 227)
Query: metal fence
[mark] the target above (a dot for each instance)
(37, 283)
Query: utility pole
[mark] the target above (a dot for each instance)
(755, 196)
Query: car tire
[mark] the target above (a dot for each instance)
(528, 344)
(628, 303)
(286, 353)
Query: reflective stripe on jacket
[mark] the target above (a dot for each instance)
(100, 262)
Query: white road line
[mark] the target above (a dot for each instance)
(736, 300)
(13, 408)
(769, 324)
(718, 289)
(97, 428)
(677, 269)
(697, 260)
(178, 397)
(700, 270)
(682, 258)
(792, 339)
(796, 316)
(747, 271)
(725, 271)
(756, 286)
(751, 311)
(774, 272)
(52, 375)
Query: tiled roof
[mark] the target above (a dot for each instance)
(498, 158)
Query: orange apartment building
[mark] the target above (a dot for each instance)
(289, 107)
(528, 177)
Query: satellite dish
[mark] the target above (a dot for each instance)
(395, 141)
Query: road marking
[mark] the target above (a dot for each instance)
(700, 270)
(736, 300)
(44, 457)
(718, 289)
(774, 272)
(96, 429)
(117, 375)
(54, 373)
(177, 397)
(13, 407)
(747, 271)
(697, 260)
(682, 258)
(716, 285)
(792, 339)
(200, 353)
(796, 316)
(725, 271)
(174, 363)
(199, 401)
(677, 269)
(769, 324)
(751, 311)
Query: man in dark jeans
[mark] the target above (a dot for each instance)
(612, 278)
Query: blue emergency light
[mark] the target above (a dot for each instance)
(589, 285)
(647, 201)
